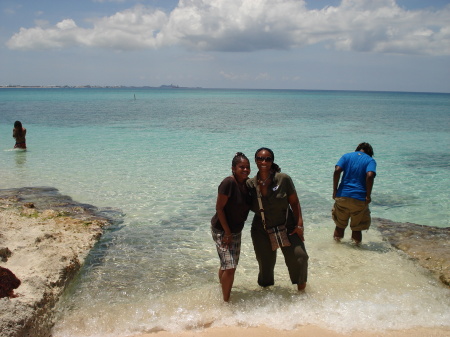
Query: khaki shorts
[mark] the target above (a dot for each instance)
(348, 208)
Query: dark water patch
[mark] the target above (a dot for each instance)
(426, 161)
(389, 201)
(43, 198)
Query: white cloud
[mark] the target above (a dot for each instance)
(248, 25)
(291, 79)
(128, 30)
(233, 76)
(12, 10)
(66, 25)
(262, 76)
(201, 58)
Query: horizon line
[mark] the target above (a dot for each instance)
(173, 86)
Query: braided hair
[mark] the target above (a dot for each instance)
(239, 156)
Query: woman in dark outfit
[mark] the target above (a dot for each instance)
(281, 206)
(19, 133)
(232, 208)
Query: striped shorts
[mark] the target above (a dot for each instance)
(229, 256)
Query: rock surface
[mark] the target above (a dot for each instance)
(44, 239)
(429, 246)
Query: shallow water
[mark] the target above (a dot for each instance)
(373, 287)
(160, 158)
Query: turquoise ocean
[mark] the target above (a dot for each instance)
(158, 156)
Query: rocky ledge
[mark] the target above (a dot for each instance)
(45, 238)
(429, 246)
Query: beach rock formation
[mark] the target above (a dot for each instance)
(44, 240)
(429, 246)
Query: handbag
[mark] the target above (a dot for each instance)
(278, 234)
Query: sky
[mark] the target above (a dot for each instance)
(380, 45)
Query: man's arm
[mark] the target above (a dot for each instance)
(336, 176)
(370, 177)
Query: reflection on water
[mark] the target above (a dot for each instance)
(20, 157)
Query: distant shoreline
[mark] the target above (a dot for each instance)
(88, 86)
(172, 86)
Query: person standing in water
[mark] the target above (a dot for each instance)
(232, 208)
(278, 207)
(352, 198)
(19, 134)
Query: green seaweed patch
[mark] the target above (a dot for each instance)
(33, 215)
(64, 214)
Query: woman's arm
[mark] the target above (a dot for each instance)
(297, 210)
(222, 200)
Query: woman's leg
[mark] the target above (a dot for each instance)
(265, 256)
(296, 260)
(226, 280)
(229, 259)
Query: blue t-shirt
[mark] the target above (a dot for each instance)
(355, 166)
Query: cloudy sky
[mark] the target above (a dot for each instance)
(401, 45)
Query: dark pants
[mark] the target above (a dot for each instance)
(295, 257)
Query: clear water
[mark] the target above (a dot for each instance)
(160, 157)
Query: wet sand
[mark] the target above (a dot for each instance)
(304, 331)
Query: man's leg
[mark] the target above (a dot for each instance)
(357, 237)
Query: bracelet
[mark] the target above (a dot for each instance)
(300, 227)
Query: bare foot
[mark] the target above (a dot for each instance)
(301, 287)
(338, 234)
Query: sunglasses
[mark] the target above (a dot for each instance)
(268, 159)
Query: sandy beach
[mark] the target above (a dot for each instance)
(46, 242)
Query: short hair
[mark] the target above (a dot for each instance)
(366, 147)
